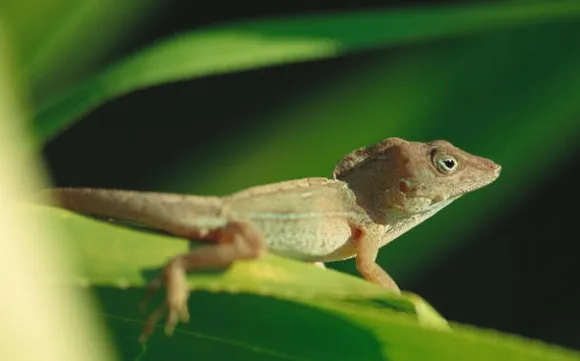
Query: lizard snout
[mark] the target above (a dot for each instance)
(496, 168)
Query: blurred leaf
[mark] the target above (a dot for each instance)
(309, 314)
(56, 42)
(264, 43)
(29, 255)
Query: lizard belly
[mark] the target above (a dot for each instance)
(306, 239)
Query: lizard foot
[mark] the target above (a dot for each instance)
(236, 240)
(175, 304)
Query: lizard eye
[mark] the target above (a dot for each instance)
(445, 163)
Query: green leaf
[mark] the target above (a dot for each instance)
(268, 309)
(132, 257)
(254, 44)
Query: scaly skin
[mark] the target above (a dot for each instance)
(377, 193)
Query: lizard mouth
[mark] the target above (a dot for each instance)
(497, 170)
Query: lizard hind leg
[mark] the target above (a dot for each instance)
(236, 240)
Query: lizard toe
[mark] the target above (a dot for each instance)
(152, 320)
(172, 319)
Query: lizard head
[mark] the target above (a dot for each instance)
(413, 177)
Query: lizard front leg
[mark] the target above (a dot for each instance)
(236, 240)
(367, 248)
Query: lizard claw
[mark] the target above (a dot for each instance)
(178, 311)
(175, 316)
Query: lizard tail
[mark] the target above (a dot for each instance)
(183, 215)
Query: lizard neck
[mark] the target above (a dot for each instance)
(376, 204)
(399, 222)
(372, 201)
(374, 188)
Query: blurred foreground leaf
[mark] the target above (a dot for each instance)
(255, 44)
(56, 43)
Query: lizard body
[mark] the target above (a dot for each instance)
(305, 219)
(376, 194)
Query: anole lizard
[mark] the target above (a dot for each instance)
(376, 194)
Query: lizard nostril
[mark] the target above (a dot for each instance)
(494, 166)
